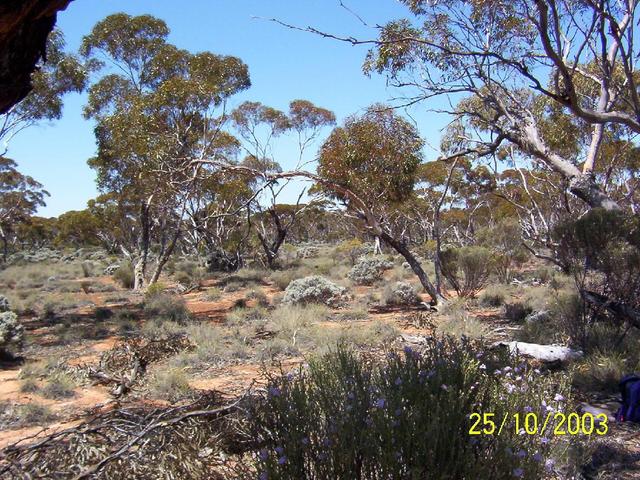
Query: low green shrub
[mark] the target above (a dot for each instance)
(124, 275)
(493, 296)
(59, 386)
(167, 307)
(399, 294)
(171, 385)
(407, 416)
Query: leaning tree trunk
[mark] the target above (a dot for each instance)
(402, 249)
(584, 187)
(164, 257)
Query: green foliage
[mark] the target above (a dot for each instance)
(171, 385)
(403, 417)
(124, 275)
(505, 240)
(20, 197)
(467, 269)
(166, 307)
(59, 386)
(62, 73)
(375, 156)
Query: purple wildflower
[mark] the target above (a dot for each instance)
(379, 403)
(279, 450)
(518, 472)
(282, 460)
(274, 391)
(263, 454)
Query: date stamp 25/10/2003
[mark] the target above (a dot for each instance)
(531, 423)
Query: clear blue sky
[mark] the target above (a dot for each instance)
(284, 65)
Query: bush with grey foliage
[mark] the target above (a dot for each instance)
(11, 332)
(315, 289)
(369, 270)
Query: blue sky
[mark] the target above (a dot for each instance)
(284, 65)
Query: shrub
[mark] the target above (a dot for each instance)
(259, 296)
(517, 311)
(11, 332)
(283, 278)
(103, 313)
(369, 270)
(59, 386)
(29, 385)
(462, 325)
(213, 294)
(467, 269)
(171, 385)
(406, 416)
(155, 289)
(493, 296)
(34, 414)
(167, 307)
(505, 240)
(399, 294)
(183, 278)
(601, 372)
(87, 269)
(124, 275)
(315, 289)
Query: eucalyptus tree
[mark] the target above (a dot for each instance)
(511, 66)
(20, 197)
(370, 165)
(257, 126)
(156, 108)
(59, 74)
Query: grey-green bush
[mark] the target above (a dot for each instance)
(315, 289)
(369, 270)
(166, 307)
(11, 332)
(400, 293)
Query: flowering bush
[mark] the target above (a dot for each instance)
(315, 289)
(369, 270)
(404, 417)
(400, 293)
(11, 332)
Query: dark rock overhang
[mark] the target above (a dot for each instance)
(24, 27)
